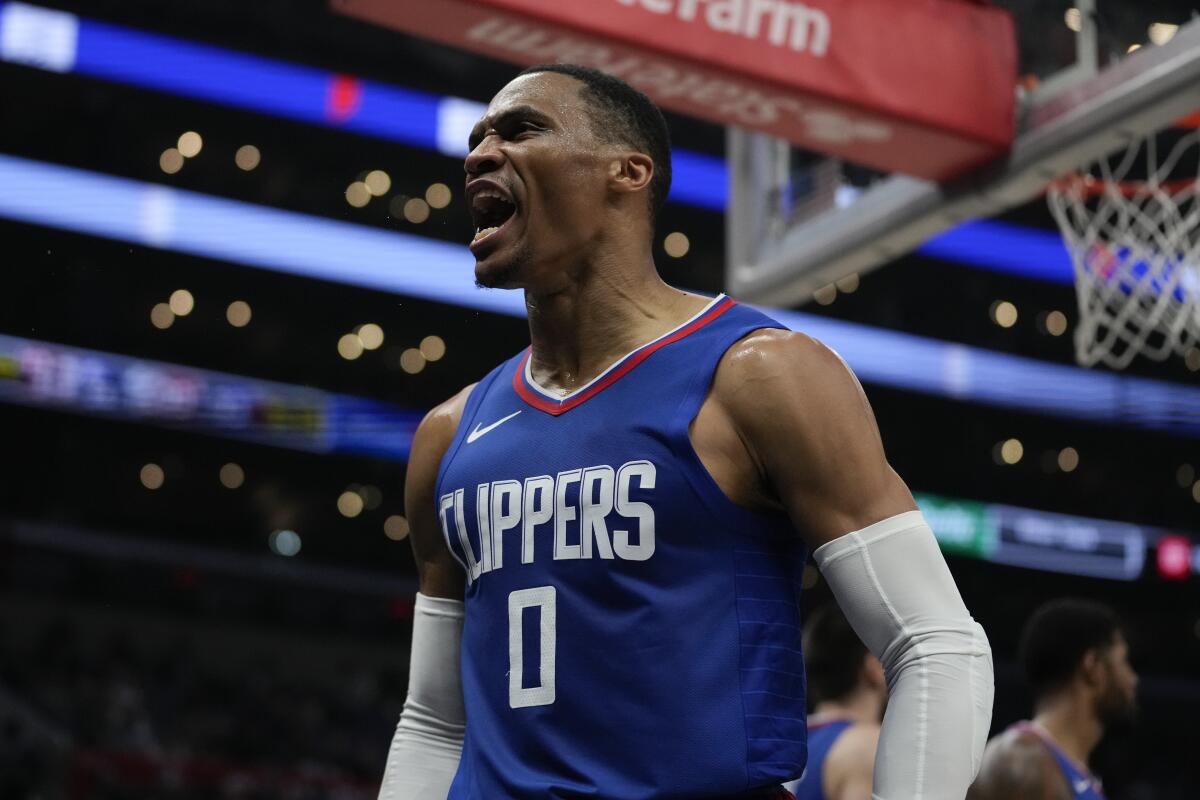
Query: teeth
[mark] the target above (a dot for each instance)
(482, 232)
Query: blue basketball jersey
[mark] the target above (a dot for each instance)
(1084, 785)
(821, 738)
(630, 632)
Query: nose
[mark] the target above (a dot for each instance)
(486, 157)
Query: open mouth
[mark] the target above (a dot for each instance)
(490, 210)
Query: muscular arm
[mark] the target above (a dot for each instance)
(439, 575)
(1018, 765)
(806, 424)
(428, 741)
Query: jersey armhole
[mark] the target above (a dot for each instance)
(702, 481)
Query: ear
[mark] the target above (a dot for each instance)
(1092, 668)
(631, 172)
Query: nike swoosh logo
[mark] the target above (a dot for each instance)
(479, 431)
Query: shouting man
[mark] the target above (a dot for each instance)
(610, 527)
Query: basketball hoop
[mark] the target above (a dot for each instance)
(1131, 222)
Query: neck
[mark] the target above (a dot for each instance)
(580, 328)
(863, 705)
(1071, 723)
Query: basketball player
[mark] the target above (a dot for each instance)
(848, 691)
(610, 526)
(1077, 663)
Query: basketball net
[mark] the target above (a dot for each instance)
(1131, 222)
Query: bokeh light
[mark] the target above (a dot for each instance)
(395, 527)
(676, 244)
(371, 336)
(378, 182)
(825, 295)
(350, 346)
(1011, 451)
(433, 348)
(286, 543)
(181, 302)
(350, 504)
(411, 361)
(152, 476)
(416, 210)
(247, 157)
(232, 476)
(189, 144)
(1056, 323)
(1003, 313)
(357, 194)
(161, 316)
(171, 161)
(438, 195)
(848, 284)
(238, 313)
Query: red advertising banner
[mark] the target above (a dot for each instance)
(922, 87)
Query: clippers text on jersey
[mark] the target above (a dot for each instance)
(589, 512)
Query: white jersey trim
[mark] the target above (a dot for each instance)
(559, 398)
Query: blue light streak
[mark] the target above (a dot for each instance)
(316, 247)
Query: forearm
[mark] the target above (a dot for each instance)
(428, 741)
(895, 589)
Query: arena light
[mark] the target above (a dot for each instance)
(316, 247)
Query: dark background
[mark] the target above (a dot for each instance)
(151, 642)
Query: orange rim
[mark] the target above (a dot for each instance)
(1190, 121)
(1094, 187)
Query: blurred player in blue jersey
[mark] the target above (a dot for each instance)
(847, 690)
(1077, 663)
(610, 527)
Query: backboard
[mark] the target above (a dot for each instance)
(1095, 76)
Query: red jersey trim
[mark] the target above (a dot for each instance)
(632, 360)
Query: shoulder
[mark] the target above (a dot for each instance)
(1017, 763)
(436, 431)
(762, 353)
(854, 750)
(1016, 746)
(773, 380)
(850, 766)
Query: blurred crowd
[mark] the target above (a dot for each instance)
(116, 717)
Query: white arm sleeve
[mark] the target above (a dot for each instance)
(894, 587)
(428, 742)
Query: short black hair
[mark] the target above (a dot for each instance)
(833, 655)
(623, 115)
(1057, 637)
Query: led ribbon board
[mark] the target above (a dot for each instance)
(1023, 537)
(864, 80)
(42, 374)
